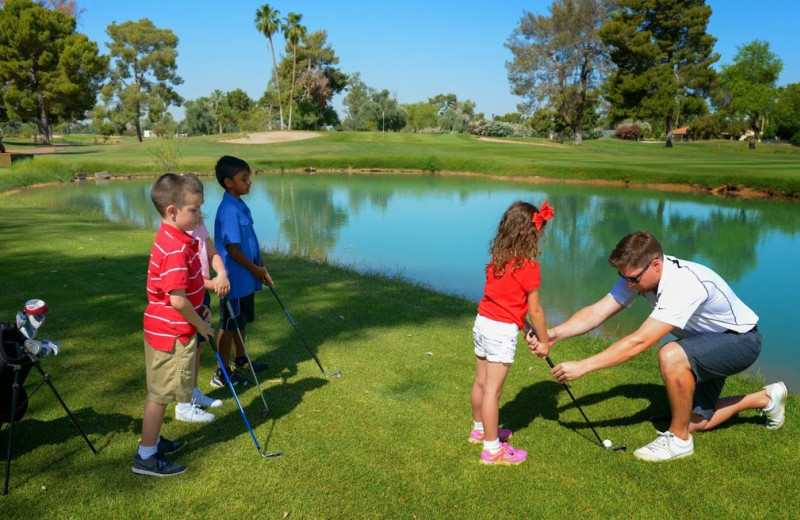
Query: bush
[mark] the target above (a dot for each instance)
(499, 129)
(795, 140)
(628, 131)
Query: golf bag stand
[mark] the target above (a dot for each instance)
(15, 365)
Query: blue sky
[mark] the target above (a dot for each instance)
(415, 49)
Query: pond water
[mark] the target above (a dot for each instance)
(436, 230)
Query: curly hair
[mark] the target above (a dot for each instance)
(517, 238)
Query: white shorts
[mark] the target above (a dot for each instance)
(494, 340)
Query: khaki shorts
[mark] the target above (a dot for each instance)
(170, 375)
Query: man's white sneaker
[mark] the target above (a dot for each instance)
(193, 414)
(203, 401)
(665, 447)
(776, 411)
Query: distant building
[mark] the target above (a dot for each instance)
(680, 134)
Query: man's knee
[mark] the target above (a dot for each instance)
(673, 358)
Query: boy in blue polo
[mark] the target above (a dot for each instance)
(237, 244)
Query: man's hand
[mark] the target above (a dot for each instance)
(568, 371)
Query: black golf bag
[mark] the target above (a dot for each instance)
(12, 355)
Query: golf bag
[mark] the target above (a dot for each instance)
(12, 355)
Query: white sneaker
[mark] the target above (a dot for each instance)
(776, 414)
(665, 447)
(193, 414)
(203, 401)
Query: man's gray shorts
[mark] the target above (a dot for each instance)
(714, 357)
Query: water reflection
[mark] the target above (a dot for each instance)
(436, 230)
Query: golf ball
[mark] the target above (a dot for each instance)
(607, 443)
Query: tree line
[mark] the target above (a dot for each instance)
(643, 68)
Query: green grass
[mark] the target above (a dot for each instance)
(387, 440)
(770, 168)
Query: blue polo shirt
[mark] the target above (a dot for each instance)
(234, 225)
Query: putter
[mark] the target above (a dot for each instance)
(252, 370)
(605, 443)
(213, 344)
(337, 373)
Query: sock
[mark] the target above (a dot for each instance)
(183, 407)
(491, 445)
(196, 393)
(145, 452)
(478, 425)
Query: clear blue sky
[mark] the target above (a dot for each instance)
(415, 49)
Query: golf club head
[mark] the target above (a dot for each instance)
(54, 346)
(36, 320)
(28, 331)
(33, 346)
(21, 319)
(617, 448)
(35, 307)
(271, 455)
(338, 373)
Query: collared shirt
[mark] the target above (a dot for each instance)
(234, 225)
(693, 299)
(174, 265)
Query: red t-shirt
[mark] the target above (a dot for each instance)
(174, 264)
(505, 299)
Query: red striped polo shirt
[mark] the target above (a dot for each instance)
(174, 265)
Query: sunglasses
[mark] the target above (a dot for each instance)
(638, 277)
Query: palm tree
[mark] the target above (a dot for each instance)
(293, 32)
(215, 99)
(268, 23)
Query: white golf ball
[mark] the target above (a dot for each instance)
(607, 443)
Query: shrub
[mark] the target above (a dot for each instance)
(707, 126)
(628, 131)
(795, 140)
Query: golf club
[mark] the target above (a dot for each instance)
(605, 443)
(249, 361)
(213, 344)
(337, 373)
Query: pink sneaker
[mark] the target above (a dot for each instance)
(507, 455)
(476, 436)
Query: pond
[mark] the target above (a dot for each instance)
(435, 230)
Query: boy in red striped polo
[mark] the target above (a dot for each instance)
(174, 316)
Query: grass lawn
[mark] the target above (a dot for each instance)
(387, 440)
(709, 165)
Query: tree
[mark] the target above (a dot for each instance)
(199, 118)
(320, 81)
(293, 32)
(216, 98)
(268, 23)
(358, 94)
(749, 85)
(67, 7)
(235, 108)
(559, 61)
(663, 57)
(48, 72)
(787, 111)
(421, 115)
(144, 72)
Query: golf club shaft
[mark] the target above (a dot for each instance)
(213, 344)
(305, 344)
(249, 361)
(549, 362)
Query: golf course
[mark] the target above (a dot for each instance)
(387, 439)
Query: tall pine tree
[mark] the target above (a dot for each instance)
(663, 56)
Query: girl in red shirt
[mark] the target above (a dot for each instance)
(511, 292)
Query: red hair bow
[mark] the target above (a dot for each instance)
(544, 214)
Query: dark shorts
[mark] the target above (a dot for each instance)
(244, 312)
(713, 358)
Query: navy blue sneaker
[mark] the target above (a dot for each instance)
(167, 446)
(156, 466)
(242, 365)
